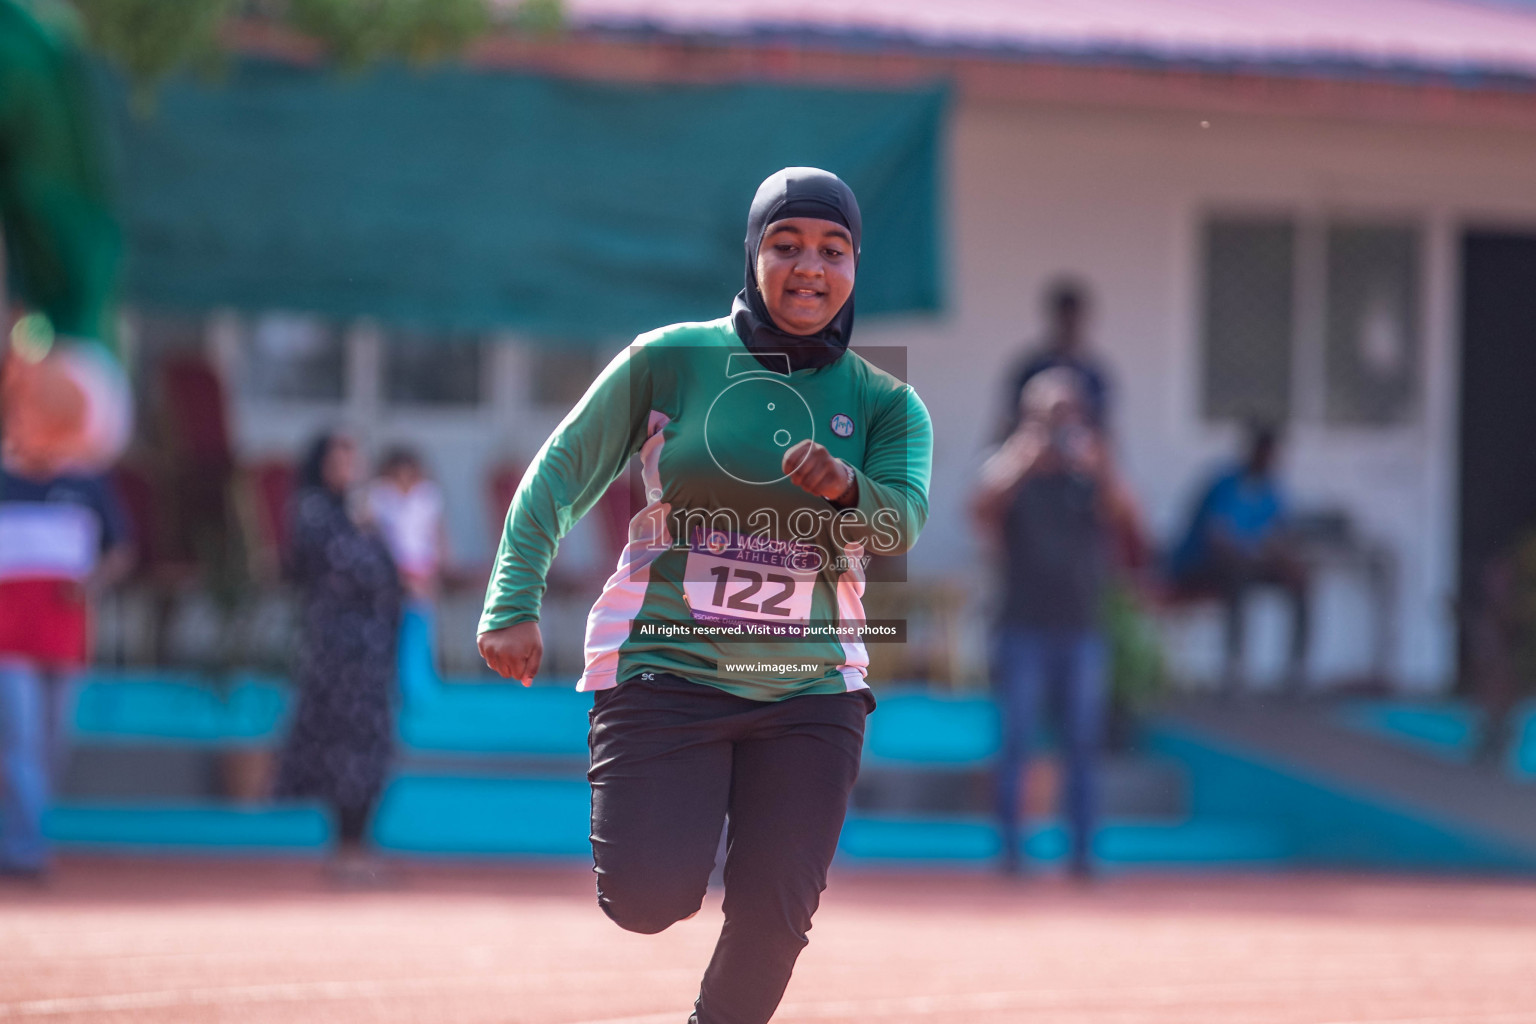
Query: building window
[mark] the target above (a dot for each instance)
(1372, 337)
(1341, 347)
(292, 357)
(422, 368)
(1247, 323)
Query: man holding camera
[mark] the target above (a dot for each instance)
(1052, 501)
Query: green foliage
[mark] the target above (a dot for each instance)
(541, 16)
(1138, 673)
(150, 39)
(362, 32)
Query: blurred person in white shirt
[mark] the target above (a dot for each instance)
(407, 508)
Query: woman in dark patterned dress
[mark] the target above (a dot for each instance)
(342, 739)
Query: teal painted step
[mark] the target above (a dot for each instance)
(891, 838)
(1326, 823)
(550, 818)
(418, 813)
(915, 728)
(496, 718)
(910, 728)
(454, 815)
(206, 827)
(1450, 729)
(186, 709)
(179, 708)
(1523, 754)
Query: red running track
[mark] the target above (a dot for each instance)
(217, 941)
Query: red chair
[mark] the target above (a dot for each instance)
(196, 411)
(136, 491)
(266, 489)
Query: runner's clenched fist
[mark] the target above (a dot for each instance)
(814, 469)
(513, 652)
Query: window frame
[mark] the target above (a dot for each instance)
(1309, 377)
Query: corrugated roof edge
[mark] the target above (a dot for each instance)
(1334, 65)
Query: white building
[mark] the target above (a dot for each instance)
(1345, 150)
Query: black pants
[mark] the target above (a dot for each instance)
(671, 760)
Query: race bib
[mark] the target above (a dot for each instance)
(730, 578)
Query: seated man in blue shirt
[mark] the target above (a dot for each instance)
(1239, 539)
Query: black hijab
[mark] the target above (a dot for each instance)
(795, 192)
(312, 469)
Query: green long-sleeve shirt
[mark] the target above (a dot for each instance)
(726, 542)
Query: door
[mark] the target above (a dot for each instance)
(1498, 397)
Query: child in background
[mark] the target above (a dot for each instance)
(408, 510)
(62, 538)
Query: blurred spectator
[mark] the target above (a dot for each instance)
(1052, 497)
(62, 539)
(408, 510)
(339, 746)
(1065, 346)
(1499, 629)
(1496, 637)
(1238, 540)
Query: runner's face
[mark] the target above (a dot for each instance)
(805, 272)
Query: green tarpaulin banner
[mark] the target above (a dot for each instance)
(454, 199)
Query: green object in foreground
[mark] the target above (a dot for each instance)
(61, 238)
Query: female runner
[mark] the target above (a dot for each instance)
(774, 461)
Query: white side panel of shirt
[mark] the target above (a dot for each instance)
(48, 540)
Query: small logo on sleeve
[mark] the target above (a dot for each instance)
(842, 425)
